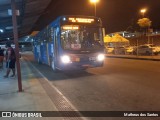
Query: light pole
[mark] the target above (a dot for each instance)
(95, 5)
(143, 11)
(15, 34)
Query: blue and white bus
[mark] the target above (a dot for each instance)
(71, 43)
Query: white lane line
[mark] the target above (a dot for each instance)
(56, 89)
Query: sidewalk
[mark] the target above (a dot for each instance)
(33, 98)
(152, 58)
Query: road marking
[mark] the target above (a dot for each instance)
(62, 103)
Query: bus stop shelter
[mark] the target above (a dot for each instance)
(17, 18)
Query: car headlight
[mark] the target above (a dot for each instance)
(65, 59)
(100, 57)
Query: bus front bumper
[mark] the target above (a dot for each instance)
(80, 66)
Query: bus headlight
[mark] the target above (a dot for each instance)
(65, 59)
(100, 57)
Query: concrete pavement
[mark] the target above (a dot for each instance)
(33, 97)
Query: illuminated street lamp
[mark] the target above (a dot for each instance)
(143, 11)
(95, 5)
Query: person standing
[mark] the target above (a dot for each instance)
(1, 57)
(10, 60)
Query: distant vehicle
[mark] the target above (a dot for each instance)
(129, 49)
(119, 50)
(25, 46)
(71, 42)
(147, 49)
(109, 50)
(4, 46)
(158, 47)
(123, 50)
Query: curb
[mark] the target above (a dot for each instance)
(135, 58)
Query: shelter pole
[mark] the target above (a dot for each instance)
(137, 47)
(15, 32)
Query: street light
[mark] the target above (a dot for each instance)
(95, 5)
(143, 11)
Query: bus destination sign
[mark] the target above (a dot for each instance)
(81, 20)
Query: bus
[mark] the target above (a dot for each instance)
(25, 46)
(71, 43)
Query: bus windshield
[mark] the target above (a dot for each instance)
(76, 37)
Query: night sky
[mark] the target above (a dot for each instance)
(116, 15)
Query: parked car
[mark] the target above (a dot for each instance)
(124, 50)
(120, 50)
(109, 50)
(147, 49)
(158, 47)
(129, 49)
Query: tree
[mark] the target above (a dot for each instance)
(144, 22)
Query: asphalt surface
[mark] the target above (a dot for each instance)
(121, 85)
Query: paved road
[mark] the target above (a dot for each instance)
(121, 85)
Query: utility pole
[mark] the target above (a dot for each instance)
(15, 33)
